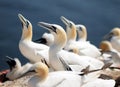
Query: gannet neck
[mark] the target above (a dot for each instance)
(42, 70)
(116, 32)
(105, 46)
(27, 33)
(82, 32)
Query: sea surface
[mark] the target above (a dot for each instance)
(99, 16)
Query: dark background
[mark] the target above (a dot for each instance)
(99, 16)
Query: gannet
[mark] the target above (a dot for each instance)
(114, 37)
(27, 47)
(110, 54)
(44, 78)
(82, 47)
(55, 51)
(16, 69)
(53, 79)
(47, 39)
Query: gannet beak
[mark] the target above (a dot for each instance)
(66, 21)
(108, 36)
(11, 62)
(23, 20)
(47, 26)
(41, 40)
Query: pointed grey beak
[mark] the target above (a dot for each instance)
(66, 21)
(47, 26)
(23, 20)
(41, 40)
(11, 62)
(108, 36)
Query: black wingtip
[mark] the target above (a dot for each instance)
(65, 64)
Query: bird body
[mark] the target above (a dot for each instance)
(100, 83)
(30, 50)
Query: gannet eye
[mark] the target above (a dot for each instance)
(22, 24)
(27, 24)
(80, 28)
(54, 27)
(70, 24)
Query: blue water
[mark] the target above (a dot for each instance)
(99, 16)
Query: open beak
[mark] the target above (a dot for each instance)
(66, 21)
(108, 36)
(11, 62)
(47, 26)
(41, 40)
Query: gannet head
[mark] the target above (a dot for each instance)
(105, 46)
(82, 32)
(113, 32)
(58, 32)
(71, 29)
(47, 38)
(14, 64)
(26, 28)
(41, 69)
